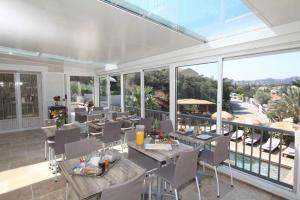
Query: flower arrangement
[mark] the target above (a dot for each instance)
(59, 116)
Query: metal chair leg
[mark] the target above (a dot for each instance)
(150, 188)
(67, 187)
(198, 189)
(45, 150)
(176, 194)
(231, 178)
(218, 186)
(143, 195)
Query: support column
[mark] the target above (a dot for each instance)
(220, 95)
(297, 164)
(122, 93)
(96, 91)
(108, 91)
(173, 95)
(142, 93)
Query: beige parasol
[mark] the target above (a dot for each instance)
(248, 120)
(225, 116)
(285, 125)
(194, 102)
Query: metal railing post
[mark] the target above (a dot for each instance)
(297, 164)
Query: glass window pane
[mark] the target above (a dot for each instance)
(103, 92)
(29, 95)
(209, 19)
(132, 93)
(82, 90)
(197, 87)
(264, 91)
(7, 96)
(115, 92)
(157, 93)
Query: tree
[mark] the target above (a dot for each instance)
(262, 97)
(296, 83)
(288, 106)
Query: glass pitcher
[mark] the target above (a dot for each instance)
(140, 135)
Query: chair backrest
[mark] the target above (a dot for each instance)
(130, 135)
(93, 117)
(97, 108)
(80, 148)
(122, 114)
(112, 132)
(147, 122)
(129, 190)
(166, 126)
(221, 152)
(79, 110)
(64, 136)
(126, 123)
(186, 167)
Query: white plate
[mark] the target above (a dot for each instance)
(204, 137)
(158, 147)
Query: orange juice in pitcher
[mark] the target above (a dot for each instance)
(139, 135)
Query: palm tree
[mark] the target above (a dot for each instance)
(288, 106)
(296, 83)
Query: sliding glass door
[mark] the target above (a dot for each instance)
(8, 116)
(30, 100)
(20, 100)
(115, 92)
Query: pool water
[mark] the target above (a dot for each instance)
(284, 172)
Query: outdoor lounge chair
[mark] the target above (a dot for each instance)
(290, 150)
(237, 135)
(271, 146)
(253, 139)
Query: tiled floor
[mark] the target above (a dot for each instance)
(27, 149)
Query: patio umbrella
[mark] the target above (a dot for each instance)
(111, 79)
(248, 120)
(225, 116)
(284, 125)
(194, 102)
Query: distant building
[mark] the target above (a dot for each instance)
(275, 97)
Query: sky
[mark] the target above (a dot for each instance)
(207, 18)
(277, 66)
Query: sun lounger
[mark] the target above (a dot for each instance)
(290, 151)
(256, 138)
(227, 130)
(271, 147)
(237, 135)
(211, 128)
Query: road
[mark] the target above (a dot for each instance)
(243, 108)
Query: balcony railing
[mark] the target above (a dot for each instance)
(251, 158)
(156, 114)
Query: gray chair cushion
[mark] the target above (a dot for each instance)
(142, 160)
(130, 190)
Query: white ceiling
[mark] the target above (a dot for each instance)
(84, 29)
(276, 12)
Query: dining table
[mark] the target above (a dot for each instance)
(161, 156)
(50, 131)
(92, 186)
(192, 138)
